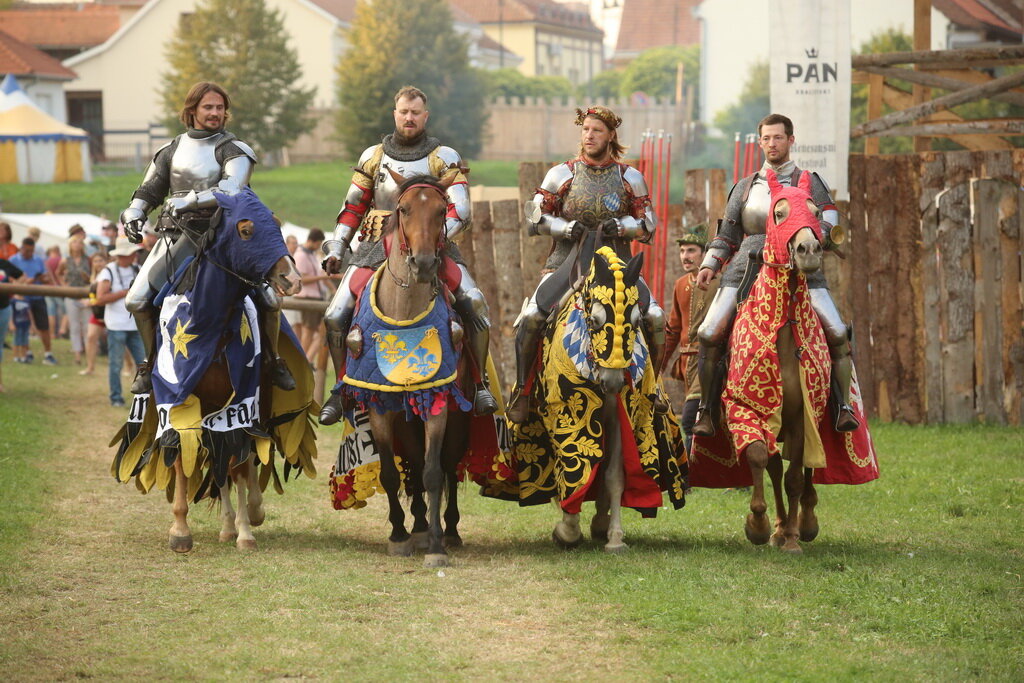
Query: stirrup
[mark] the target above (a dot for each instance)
(280, 375)
(332, 410)
(143, 382)
(846, 421)
(519, 408)
(483, 402)
(704, 425)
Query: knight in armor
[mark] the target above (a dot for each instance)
(372, 197)
(190, 168)
(594, 191)
(736, 248)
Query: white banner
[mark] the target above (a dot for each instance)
(810, 83)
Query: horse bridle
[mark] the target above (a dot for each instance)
(403, 242)
(201, 240)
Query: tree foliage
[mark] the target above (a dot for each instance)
(605, 85)
(654, 71)
(394, 43)
(243, 46)
(753, 104)
(512, 83)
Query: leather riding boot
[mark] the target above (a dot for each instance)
(527, 344)
(145, 321)
(479, 339)
(334, 406)
(842, 378)
(711, 371)
(280, 375)
(661, 402)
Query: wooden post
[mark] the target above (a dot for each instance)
(509, 276)
(876, 85)
(922, 42)
(533, 249)
(482, 237)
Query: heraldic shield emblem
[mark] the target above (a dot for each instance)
(408, 355)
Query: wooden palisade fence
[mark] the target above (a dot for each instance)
(932, 287)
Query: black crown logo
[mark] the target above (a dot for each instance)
(812, 53)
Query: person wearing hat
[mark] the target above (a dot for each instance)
(112, 286)
(688, 307)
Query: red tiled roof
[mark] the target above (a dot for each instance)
(655, 23)
(519, 11)
(24, 60)
(983, 14)
(344, 10)
(61, 26)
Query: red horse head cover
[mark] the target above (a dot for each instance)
(801, 215)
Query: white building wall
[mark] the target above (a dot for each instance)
(47, 95)
(734, 36)
(127, 68)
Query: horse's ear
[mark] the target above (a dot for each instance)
(805, 182)
(396, 176)
(632, 273)
(773, 182)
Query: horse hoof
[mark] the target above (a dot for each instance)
(777, 540)
(562, 543)
(400, 548)
(757, 529)
(434, 560)
(452, 541)
(180, 544)
(792, 548)
(617, 549)
(226, 536)
(421, 540)
(809, 534)
(246, 544)
(257, 517)
(599, 531)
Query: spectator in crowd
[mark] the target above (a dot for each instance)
(7, 248)
(54, 304)
(21, 316)
(314, 288)
(35, 273)
(293, 317)
(75, 271)
(109, 237)
(112, 285)
(149, 240)
(97, 329)
(35, 233)
(8, 274)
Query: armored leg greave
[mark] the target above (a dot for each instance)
(472, 308)
(528, 340)
(713, 335)
(837, 334)
(270, 321)
(337, 320)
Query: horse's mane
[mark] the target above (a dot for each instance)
(422, 179)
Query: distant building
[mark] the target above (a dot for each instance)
(552, 39)
(64, 30)
(41, 76)
(606, 15)
(655, 23)
(734, 36)
(981, 23)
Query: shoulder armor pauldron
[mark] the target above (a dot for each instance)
(556, 177)
(636, 181)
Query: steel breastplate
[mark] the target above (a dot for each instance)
(754, 214)
(385, 189)
(194, 165)
(594, 195)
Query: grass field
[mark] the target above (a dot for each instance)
(306, 194)
(916, 576)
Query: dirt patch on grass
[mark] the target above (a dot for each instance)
(97, 594)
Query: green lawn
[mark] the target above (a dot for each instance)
(306, 194)
(916, 576)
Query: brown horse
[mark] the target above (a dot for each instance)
(404, 293)
(212, 422)
(793, 250)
